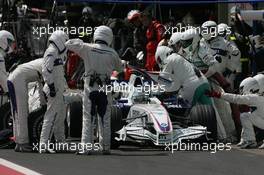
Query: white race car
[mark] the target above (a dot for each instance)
(145, 118)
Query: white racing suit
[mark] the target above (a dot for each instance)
(248, 119)
(17, 83)
(101, 60)
(228, 58)
(189, 79)
(3, 79)
(203, 59)
(53, 72)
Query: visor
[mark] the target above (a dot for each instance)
(11, 45)
(209, 30)
(158, 60)
(186, 43)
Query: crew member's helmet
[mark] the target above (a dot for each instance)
(161, 55)
(58, 38)
(87, 10)
(190, 40)
(7, 41)
(260, 80)
(133, 14)
(103, 33)
(249, 86)
(175, 38)
(209, 30)
(222, 27)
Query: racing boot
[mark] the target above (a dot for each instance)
(44, 149)
(81, 152)
(262, 146)
(23, 148)
(240, 143)
(248, 144)
(47, 151)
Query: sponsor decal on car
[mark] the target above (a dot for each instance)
(164, 125)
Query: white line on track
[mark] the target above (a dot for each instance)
(18, 168)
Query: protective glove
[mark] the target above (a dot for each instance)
(197, 72)
(218, 58)
(227, 73)
(213, 93)
(52, 90)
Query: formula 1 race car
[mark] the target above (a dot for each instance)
(153, 118)
(151, 122)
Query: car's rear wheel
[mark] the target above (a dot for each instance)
(6, 117)
(116, 125)
(74, 117)
(205, 115)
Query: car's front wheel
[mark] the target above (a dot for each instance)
(205, 115)
(116, 125)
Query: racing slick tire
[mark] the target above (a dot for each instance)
(116, 125)
(74, 117)
(205, 115)
(6, 117)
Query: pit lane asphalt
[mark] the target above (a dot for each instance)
(131, 160)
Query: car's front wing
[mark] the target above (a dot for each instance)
(160, 139)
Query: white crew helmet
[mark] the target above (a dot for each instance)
(87, 10)
(190, 40)
(6, 41)
(161, 55)
(133, 14)
(175, 38)
(249, 86)
(58, 38)
(260, 80)
(103, 33)
(223, 28)
(209, 30)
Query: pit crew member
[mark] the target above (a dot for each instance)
(100, 61)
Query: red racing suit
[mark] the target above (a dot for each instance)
(154, 34)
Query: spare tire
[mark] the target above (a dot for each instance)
(74, 117)
(6, 117)
(116, 125)
(205, 115)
